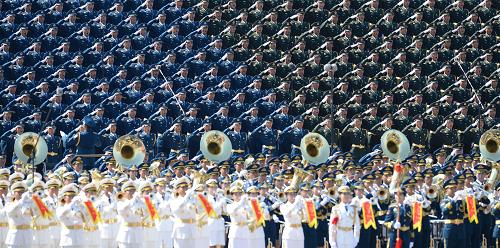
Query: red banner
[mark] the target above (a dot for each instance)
(151, 208)
(259, 215)
(312, 220)
(335, 219)
(368, 216)
(417, 216)
(41, 206)
(398, 168)
(92, 212)
(206, 205)
(471, 209)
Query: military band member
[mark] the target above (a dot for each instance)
(130, 210)
(70, 215)
(238, 211)
(293, 213)
(344, 227)
(41, 234)
(496, 215)
(150, 215)
(4, 225)
(165, 224)
(184, 211)
(398, 219)
(106, 205)
(256, 237)
(217, 237)
(202, 233)
(452, 208)
(91, 217)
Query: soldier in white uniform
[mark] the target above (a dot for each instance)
(202, 233)
(293, 213)
(90, 211)
(41, 224)
(51, 201)
(4, 225)
(344, 227)
(106, 205)
(70, 215)
(184, 211)
(238, 211)
(19, 213)
(165, 224)
(257, 238)
(131, 211)
(217, 237)
(149, 222)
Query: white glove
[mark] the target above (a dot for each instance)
(275, 218)
(411, 244)
(324, 201)
(334, 245)
(275, 205)
(25, 197)
(299, 198)
(397, 225)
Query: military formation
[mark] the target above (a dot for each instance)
(255, 202)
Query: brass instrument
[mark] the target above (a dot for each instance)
(382, 194)
(489, 146)
(314, 148)
(396, 147)
(298, 177)
(432, 192)
(30, 144)
(120, 195)
(129, 150)
(216, 146)
(331, 192)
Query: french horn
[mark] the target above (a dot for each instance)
(314, 148)
(30, 147)
(129, 150)
(395, 145)
(216, 146)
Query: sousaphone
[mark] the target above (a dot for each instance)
(314, 148)
(216, 146)
(29, 147)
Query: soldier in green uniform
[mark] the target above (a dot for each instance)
(417, 135)
(355, 138)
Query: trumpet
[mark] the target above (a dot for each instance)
(120, 195)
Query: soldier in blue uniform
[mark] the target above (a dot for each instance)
(160, 123)
(108, 135)
(398, 220)
(148, 107)
(68, 123)
(148, 139)
(195, 137)
(452, 208)
(291, 137)
(85, 140)
(266, 137)
(238, 139)
(54, 145)
(127, 121)
(221, 120)
(191, 122)
(172, 141)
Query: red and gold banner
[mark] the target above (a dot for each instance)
(151, 208)
(417, 215)
(368, 215)
(335, 219)
(471, 209)
(257, 210)
(312, 220)
(207, 206)
(45, 212)
(94, 214)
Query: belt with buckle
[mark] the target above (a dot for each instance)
(73, 227)
(55, 223)
(166, 217)
(294, 225)
(90, 228)
(404, 228)
(19, 227)
(52, 154)
(176, 151)
(497, 222)
(454, 221)
(148, 224)
(187, 221)
(269, 147)
(380, 213)
(357, 146)
(239, 151)
(132, 224)
(345, 229)
(447, 146)
(239, 223)
(4, 224)
(110, 221)
(40, 227)
(419, 146)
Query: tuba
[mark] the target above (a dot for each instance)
(383, 194)
(314, 148)
(30, 146)
(216, 146)
(489, 147)
(395, 145)
(129, 150)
